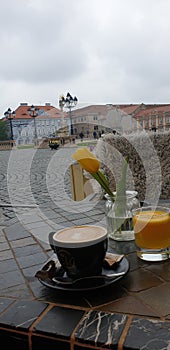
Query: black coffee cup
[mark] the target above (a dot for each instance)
(80, 249)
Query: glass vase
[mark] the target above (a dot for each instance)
(119, 216)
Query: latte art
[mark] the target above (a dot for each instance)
(80, 235)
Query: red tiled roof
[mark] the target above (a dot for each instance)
(103, 109)
(100, 109)
(153, 109)
(50, 111)
(136, 110)
(129, 109)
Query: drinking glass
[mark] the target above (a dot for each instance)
(119, 216)
(152, 232)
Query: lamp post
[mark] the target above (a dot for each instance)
(69, 102)
(10, 116)
(33, 114)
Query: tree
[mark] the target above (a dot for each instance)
(3, 131)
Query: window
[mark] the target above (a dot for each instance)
(153, 121)
(167, 119)
(96, 127)
(160, 120)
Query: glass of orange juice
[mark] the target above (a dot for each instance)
(152, 232)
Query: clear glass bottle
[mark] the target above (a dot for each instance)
(119, 220)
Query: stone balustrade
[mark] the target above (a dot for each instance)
(7, 145)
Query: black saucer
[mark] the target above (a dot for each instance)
(53, 276)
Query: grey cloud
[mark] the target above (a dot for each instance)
(105, 51)
(42, 47)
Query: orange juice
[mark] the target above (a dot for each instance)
(152, 229)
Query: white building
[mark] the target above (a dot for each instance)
(44, 124)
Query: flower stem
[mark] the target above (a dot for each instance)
(103, 182)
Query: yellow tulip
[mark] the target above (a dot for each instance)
(86, 160)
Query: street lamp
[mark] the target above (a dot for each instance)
(69, 102)
(33, 114)
(9, 116)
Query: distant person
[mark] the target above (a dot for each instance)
(153, 129)
(81, 136)
(94, 134)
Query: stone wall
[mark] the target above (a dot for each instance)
(149, 162)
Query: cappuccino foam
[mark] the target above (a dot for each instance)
(79, 236)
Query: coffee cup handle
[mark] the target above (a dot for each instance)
(50, 238)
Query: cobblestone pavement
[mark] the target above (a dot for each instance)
(35, 186)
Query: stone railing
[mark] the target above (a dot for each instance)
(7, 145)
(149, 162)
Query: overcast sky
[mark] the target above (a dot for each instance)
(102, 51)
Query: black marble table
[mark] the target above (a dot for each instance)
(131, 313)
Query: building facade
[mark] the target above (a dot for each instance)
(153, 118)
(45, 125)
(91, 121)
(120, 119)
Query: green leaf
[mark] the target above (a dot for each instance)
(121, 185)
(120, 200)
(103, 182)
